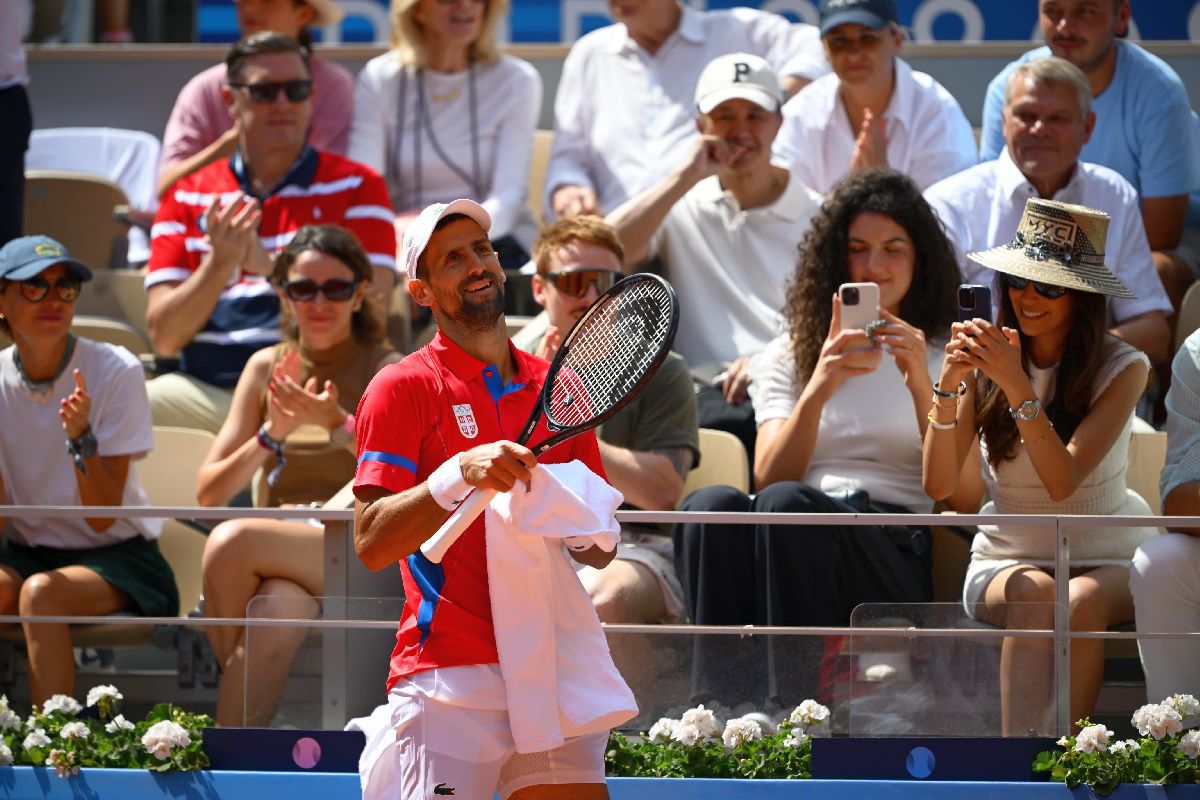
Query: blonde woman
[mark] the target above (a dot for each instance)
(444, 115)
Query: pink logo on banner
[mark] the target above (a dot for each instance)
(466, 420)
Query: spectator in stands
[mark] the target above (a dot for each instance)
(1051, 404)
(292, 420)
(874, 110)
(624, 111)
(16, 121)
(1047, 120)
(201, 130)
(840, 415)
(209, 299)
(725, 225)
(55, 387)
(648, 448)
(444, 114)
(1140, 104)
(1163, 578)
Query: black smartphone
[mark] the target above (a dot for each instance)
(974, 301)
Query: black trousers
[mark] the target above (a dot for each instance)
(798, 575)
(16, 123)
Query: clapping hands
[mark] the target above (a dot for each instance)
(293, 404)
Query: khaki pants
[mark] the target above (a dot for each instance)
(181, 401)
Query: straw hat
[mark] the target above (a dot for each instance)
(1060, 244)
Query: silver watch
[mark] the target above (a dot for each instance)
(1027, 410)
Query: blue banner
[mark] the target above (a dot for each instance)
(563, 21)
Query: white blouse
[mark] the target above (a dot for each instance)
(438, 136)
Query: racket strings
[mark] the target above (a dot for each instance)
(616, 346)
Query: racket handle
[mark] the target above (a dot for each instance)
(435, 546)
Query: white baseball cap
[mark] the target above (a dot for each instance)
(738, 75)
(421, 231)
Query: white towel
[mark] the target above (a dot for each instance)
(558, 672)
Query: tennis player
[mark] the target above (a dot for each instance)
(431, 429)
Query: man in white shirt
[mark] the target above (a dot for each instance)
(725, 225)
(874, 110)
(1048, 118)
(623, 109)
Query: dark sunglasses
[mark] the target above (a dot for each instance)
(1046, 290)
(576, 283)
(267, 91)
(35, 289)
(335, 290)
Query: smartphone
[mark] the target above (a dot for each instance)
(974, 301)
(860, 306)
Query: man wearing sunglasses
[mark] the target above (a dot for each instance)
(725, 223)
(1048, 118)
(216, 230)
(647, 448)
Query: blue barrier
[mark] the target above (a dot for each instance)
(561, 21)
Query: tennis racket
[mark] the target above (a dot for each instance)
(610, 353)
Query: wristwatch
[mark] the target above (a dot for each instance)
(342, 434)
(81, 447)
(1027, 410)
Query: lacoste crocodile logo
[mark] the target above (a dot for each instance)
(443, 789)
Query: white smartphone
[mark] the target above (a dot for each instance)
(860, 305)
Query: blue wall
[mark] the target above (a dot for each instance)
(551, 21)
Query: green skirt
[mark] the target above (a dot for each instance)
(135, 566)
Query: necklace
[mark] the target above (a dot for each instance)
(40, 391)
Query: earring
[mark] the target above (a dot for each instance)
(358, 307)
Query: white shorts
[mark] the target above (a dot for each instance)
(432, 747)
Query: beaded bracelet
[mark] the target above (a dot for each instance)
(267, 442)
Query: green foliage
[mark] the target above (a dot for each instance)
(767, 757)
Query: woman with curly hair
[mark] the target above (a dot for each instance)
(840, 416)
(1047, 396)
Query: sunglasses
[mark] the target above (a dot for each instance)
(267, 91)
(336, 290)
(576, 283)
(1046, 290)
(35, 289)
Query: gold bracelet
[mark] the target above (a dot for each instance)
(940, 426)
(937, 402)
(1039, 439)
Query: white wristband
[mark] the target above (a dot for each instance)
(447, 484)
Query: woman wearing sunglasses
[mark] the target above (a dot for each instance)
(444, 114)
(292, 424)
(200, 129)
(76, 418)
(1047, 397)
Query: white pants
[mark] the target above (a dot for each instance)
(1165, 581)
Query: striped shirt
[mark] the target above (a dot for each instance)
(320, 188)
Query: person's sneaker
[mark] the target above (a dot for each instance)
(96, 659)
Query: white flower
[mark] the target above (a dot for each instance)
(1158, 720)
(3, 701)
(62, 703)
(36, 739)
(686, 734)
(163, 737)
(6, 756)
(661, 731)
(795, 738)
(98, 693)
(1185, 704)
(740, 731)
(703, 719)
(1125, 747)
(1064, 742)
(1093, 738)
(9, 721)
(1189, 745)
(810, 717)
(119, 723)
(74, 730)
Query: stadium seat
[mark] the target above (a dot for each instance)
(77, 209)
(1147, 456)
(1188, 319)
(112, 331)
(723, 462)
(542, 142)
(117, 294)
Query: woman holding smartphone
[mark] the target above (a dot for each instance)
(840, 415)
(1047, 396)
(291, 422)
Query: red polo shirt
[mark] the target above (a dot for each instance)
(414, 415)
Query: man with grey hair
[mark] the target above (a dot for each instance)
(1048, 118)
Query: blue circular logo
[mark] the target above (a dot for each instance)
(920, 762)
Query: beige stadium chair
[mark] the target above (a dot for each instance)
(112, 331)
(77, 209)
(1188, 319)
(542, 142)
(1147, 455)
(399, 319)
(723, 462)
(118, 294)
